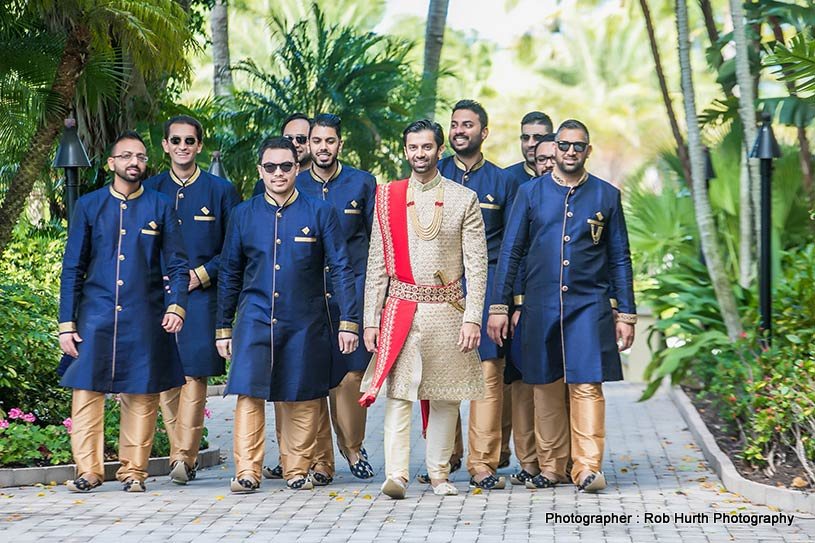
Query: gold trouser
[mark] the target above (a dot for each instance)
(506, 423)
(484, 432)
(324, 446)
(298, 435)
(584, 420)
(523, 425)
(183, 412)
(249, 438)
(88, 433)
(136, 432)
(347, 416)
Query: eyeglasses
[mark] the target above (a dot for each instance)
(189, 140)
(299, 138)
(271, 167)
(543, 159)
(579, 146)
(537, 137)
(127, 156)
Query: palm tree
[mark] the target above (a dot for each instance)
(750, 191)
(360, 76)
(704, 214)
(222, 77)
(681, 149)
(433, 42)
(152, 37)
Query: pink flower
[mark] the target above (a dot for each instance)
(207, 413)
(29, 417)
(69, 424)
(15, 413)
(3, 424)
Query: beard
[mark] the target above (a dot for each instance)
(573, 168)
(134, 175)
(468, 148)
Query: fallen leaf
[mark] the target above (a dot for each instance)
(799, 482)
(773, 508)
(40, 494)
(219, 498)
(196, 520)
(477, 491)
(681, 493)
(339, 499)
(367, 497)
(623, 470)
(355, 492)
(79, 502)
(332, 494)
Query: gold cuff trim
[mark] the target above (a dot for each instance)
(353, 211)
(66, 327)
(150, 232)
(203, 276)
(489, 206)
(206, 218)
(613, 302)
(177, 310)
(627, 318)
(348, 326)
(499, 309)
(223, 333)
(518, 299)
(302, 239)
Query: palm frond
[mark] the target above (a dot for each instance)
(795, 63)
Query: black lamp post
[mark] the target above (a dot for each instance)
(71, 156)
(766, 149)
(217, 167)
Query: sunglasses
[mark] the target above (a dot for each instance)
(537, 137)
(579, 146)
(189, 140)
(271, 167)
(127, 156)
(299, 138)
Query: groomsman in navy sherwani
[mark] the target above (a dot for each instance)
(116, 327)
(203, 203)
(496, 192)
(276, 250)
(570, 227)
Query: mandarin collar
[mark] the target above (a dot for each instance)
(318, 179)
(289, 201)
(529, 170)
(463, 167)
(189, 181)
(133, 195)
(424, 187)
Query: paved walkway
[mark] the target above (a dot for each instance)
(652, 466)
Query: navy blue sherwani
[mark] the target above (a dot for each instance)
(203, 204)
(112, 292)
(577, 254)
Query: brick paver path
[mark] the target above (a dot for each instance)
(652, 466)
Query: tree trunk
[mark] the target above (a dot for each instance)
(701, 201)
(36, 158)
(747, 113)
(433, 42)
(681, 149)
(222, 79)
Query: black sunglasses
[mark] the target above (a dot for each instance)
(299, 138)
(271, 167)
(189, 140)
(579, 146)
(537, 137)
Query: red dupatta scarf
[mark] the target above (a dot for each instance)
(397, 316)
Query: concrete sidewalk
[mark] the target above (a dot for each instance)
(652, 467)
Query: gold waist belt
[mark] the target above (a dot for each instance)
(427, 294)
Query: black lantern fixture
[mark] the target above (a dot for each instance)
(71, 156)
(765, 149)
(217, 167)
